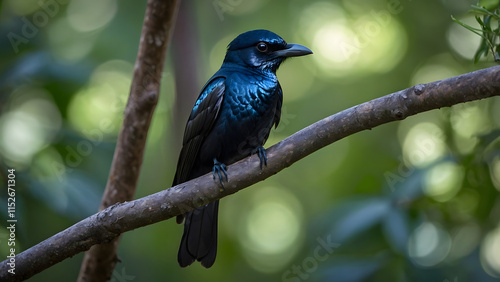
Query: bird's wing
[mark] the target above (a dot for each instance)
(277, 114)
(200, 123)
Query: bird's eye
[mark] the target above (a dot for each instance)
(262, 46)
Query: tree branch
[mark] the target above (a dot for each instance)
(108, 224)
(100, 260)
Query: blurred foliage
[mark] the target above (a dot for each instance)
(408, 201)
(487, 14)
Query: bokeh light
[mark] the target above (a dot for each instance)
(85, 15)
(443, 181)
(99, 106)
(469, 120)
(373, 42)
(335, 43)
(429, 244)
(67, 43)
(423, 144)
(433, 71)
(30, 125)
(495, 172)
(270, 231)
(490, 253)
(21, 136)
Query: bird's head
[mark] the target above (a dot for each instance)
(262, 49)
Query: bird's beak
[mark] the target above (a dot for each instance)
(293, 50)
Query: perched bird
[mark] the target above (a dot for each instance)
(230, 120)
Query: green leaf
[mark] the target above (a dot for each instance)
(497, 55)
(480, 51)
(483, 11)
(488, 36)
(473, 29)
(489, 4)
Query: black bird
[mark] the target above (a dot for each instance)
(230, 120)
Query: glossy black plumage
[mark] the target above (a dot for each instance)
(231, 119)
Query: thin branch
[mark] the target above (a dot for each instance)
(100, 260)
(108, 224)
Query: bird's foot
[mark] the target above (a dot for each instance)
(217, 169)
(262, 155)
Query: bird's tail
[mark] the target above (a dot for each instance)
(199, 241)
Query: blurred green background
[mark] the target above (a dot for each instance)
(408, 201)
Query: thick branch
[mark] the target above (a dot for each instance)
(100, 260)
(111, 222)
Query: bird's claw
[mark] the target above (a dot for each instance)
(262, 155)
(217, 168)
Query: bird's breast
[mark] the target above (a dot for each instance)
(251, 96)
(246, 116)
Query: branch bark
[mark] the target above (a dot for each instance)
(100, 260)
(109, 223)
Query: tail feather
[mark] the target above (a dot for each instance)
(199, 241)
